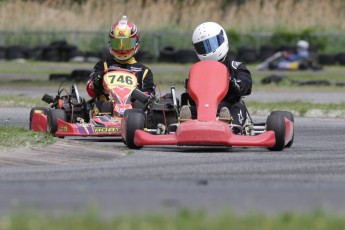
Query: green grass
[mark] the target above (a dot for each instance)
(20, 101)
(183, 220)
(298, 108)
(13, 136)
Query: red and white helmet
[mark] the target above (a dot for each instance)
(210, 41)
(124, 39)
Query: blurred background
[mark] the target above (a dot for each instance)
(76, 30)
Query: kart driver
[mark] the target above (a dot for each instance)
(123, 39)
(211, 43)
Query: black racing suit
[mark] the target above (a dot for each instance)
(240, 85)
(143, 74)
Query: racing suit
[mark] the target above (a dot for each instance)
(95, 82)
(143, 74)
(240, 85)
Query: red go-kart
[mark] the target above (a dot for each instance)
(207, 85)
(69, 114)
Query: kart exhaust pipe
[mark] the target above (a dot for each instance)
(173, 93)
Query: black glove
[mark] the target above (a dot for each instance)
(97, 81)
(234, 86)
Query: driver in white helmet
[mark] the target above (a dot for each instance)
(211, 43)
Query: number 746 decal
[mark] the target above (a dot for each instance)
(120, 78)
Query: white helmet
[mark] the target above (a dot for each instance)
(302, 44)
(210, 41)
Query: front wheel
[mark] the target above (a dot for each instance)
(290, 117)
(135, 119)
(276, 123)
(53, 114)
(42, 110)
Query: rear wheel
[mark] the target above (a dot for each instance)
(53, 114)
(290, 117)
(135, 119)
(42, 110)
(276, 123)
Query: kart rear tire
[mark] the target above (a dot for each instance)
(276, 123)
(289, 116)
(53, 114)
(43, 109)
(135, 119)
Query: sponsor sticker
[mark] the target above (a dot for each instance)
(107, 129)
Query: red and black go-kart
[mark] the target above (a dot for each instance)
(207, 85)
(69, 114)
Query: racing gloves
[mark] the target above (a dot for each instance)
(97, 81)
(234, 86)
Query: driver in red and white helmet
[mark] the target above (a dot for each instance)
(123, 39)
(211, 43)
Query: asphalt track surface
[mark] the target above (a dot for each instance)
(77, 174)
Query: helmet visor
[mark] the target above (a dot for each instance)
(209, 45)
(123, 43)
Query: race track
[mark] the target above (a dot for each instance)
(77, 174)
(74, 175)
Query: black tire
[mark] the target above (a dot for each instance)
(289, 116)
(53, 114)
(140, 96)
(167, 54)
(266, 51)
(2, 53)
(275, 122)
(107, 107)
(135, 119)
(44, 111)
(341, 58)
(247, 54)
(186, 56)
(327, 59)
(80, 75)
(59, 77)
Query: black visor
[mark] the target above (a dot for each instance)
(209, 45)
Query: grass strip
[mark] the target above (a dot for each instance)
(298, 108)
(183, 220)
(14, 136)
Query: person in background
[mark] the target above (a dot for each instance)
(293, 61)
(211, 43)
(123, 39)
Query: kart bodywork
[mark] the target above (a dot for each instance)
(69, 114)
(207, 85)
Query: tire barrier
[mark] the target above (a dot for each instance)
(17, 52)
(247, 54)
(167, 54)
(341, 58)
(2, 53)
(277, 79)
(327, 59)
(61, 51)
(144, 57)
(172, 55)
(77, 75)
(57, 51)
(266, 51)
